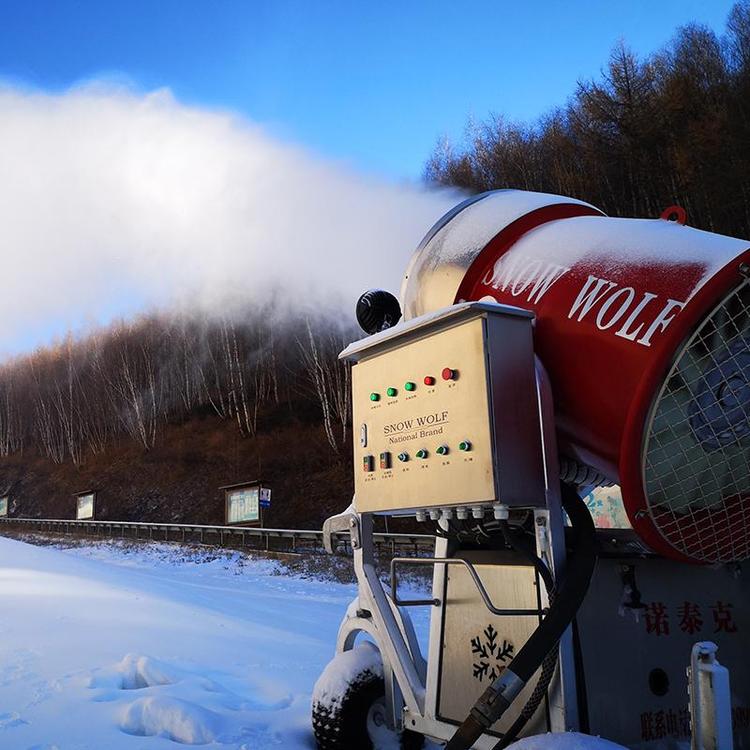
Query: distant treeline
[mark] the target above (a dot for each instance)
(82, 395)
(671, 128)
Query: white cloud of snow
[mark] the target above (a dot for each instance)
(113, 200)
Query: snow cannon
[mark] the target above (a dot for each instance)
(565, 406)
(643, 326)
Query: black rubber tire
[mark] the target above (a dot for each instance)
(344, 726)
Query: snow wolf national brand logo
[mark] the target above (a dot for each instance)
(490, 656)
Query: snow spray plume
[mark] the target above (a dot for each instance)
(113, 201)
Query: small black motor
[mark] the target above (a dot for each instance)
(377, 310)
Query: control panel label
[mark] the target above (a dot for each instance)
(409, 429)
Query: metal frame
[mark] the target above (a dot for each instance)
(436, 602)
(86, 493)
(228, 489)
(549, 524)
(681, 531)
(411, 688)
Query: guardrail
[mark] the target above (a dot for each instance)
(281, 540)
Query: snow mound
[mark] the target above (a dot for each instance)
(177, 720)
(183, 705)
(134, 673)
(564, 741)
(343, 670)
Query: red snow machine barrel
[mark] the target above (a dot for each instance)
(644, 328)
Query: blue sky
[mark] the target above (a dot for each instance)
(370, 84)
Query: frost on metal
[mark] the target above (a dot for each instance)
(344, 670)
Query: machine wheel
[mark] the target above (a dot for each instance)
(348, 706)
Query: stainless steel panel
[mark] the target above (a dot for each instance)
(477, 646)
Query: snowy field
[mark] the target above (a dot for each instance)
(128, 648)
(115, 647)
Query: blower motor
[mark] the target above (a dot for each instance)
(644, 328)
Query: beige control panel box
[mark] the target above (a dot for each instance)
(445, 412)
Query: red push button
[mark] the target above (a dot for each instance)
(449, 374)
(429, 380)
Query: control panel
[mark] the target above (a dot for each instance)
(445, 412)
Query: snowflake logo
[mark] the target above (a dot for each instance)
(490, 655)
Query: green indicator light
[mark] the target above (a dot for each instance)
(443, 450)
(421, 453)
(374, 397)
(464, 445)
(410, 386)
(392, 392)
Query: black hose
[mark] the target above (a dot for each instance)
(537, 696)
(493, 703)
(515, 541)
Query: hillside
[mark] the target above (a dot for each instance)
(179, 478)
(159, 413)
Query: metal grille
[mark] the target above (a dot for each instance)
(697, 453)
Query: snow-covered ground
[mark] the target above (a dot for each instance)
(115, 647)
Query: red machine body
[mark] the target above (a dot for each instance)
(644, 329)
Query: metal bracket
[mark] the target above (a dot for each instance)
(396, 561)
(346, 521)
